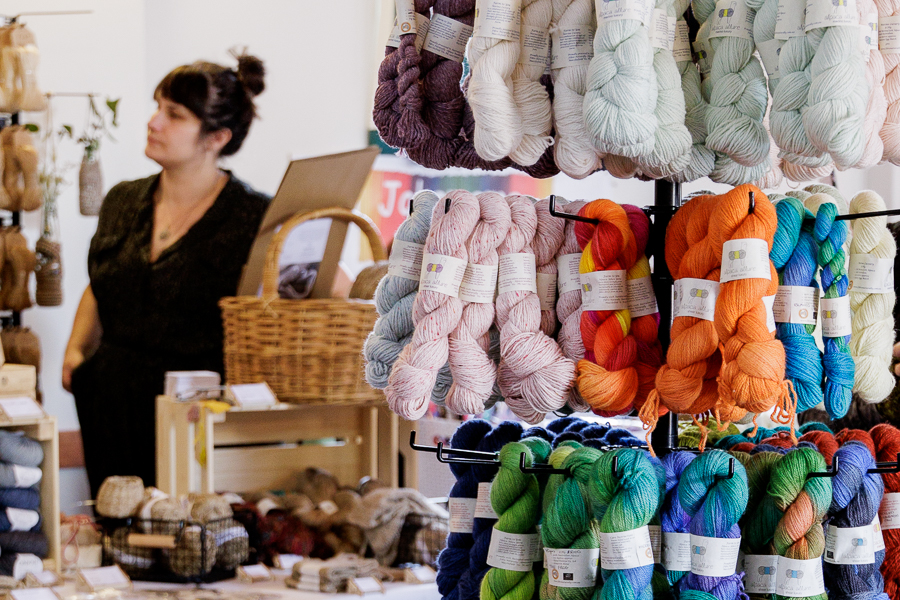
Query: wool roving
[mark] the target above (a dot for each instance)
(876, 106)
(887, 446)
(715, 504)
(872, 339)
(607, 378)
(534, 376)
(473, 370)
(516, 498)
(435, 315)
(672, 517)
(549, 238)
(19, 449)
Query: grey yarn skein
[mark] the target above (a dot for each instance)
(18, 449)
(394, 299)
(8, 478)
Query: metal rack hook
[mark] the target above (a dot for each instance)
(465, 461)
(752, 208)
(540, 469)
(447, 205)
(411, 206)
(434, 449)
(835, 468)
(568, 216)
(880, 213)
(615, 467)
(887, 467)
(730, 466)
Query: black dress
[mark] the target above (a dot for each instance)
(156, 317)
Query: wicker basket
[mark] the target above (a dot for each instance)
(308, 351)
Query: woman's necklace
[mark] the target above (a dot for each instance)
(166, 232)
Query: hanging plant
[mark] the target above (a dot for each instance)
(90, 176)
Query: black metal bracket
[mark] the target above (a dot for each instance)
(464, 461)
(752, 207)
(880, 213)
(834, 470)
(730, 465)
(887, 467)
(568, 216)
(537, 469)
(435, 449)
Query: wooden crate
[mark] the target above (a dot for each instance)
(253, 449)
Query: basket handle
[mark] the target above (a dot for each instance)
(273, 253)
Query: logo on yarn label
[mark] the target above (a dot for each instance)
(760, 572)
(731, 18)
(448, 37)
(676, 551)
(662, 30)
(714, 557)
(514, 551)
(889, 35)
(25, 564)
(26, 476)
(849, 545)
(870, 274)
(799, 578)
(518, 273)
(572, 46)
(479, 284)
(797, 304)
(790, 19)
(620, 10)
(769, 303)
(406, 260)
(681, 45)
(462, 514)
(830, 13)
(441, 274)
(604, 290)
(498, 19)
(703, 50)
(546, 290)
(656, 543)
(868, 34)
(641, 297)
(626, 549)
(422, 25)
(695, 298)
(770, 52)
(877, 535)
(746, 258)
(572, 568)
(535, 46)
(483, 507)
(835, 316)
(889, 512)
(568, 279)
(21, 519)
(406, 16)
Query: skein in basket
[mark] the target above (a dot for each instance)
(308, 351)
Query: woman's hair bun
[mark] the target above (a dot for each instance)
(251, 72)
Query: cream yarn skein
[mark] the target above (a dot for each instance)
(530, 95)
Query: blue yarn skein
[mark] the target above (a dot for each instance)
(24, 498)
(19, 449)
(672, 516)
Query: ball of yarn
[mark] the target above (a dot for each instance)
(119, 497)
(164, 509)
(25, 498)
(18, 449)
(232, 544)
(672, 517)
(887, 445)
(206, 508)
(19, 477)
(194, 552)
(25, 542)
(549, 237)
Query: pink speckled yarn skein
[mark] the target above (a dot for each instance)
(551, 232)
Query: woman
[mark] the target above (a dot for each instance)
(167, 248)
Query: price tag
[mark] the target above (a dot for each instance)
(789, 21)
(870, 274)
(21, 407)
(100, 578)
(447, 37)
(568, 277)
(462, 514)
(731, 18)
(253, 395)
(830, 13)
(364, 585)
(571, 47)
(889, 513)
(254, 573)
(769, 303)
(514, 551)
(695, 298)
(877, 535)
(518, 273)
(498, 19)
(656, 543)
(479, 284)
(620, 10)
(483, 507)
(889, 35)
(770, 52)
(535, 46)
(682, 43)
(797, 304)
(677, 551)
(641, 297)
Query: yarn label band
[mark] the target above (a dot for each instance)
(695, 298)
(21, 519)
(849, 545)
(676, 551)
(870, 274)
(889, 513)
(770, 52)
(479, 284)
(877, 535)
(406, 260)
(604, 290)
(830, 13)
(799, 578)
(681, 50)
(704, 53)
(421, 31)
(797, 304)
(835, 316)
(656, 543)
(26, 476)
(626, 549)
(483, 507)
(868, 34)
(714, 557)
(789, 20)
(514, 551)
(746, 258)
(498, 19)
(572, 46)
(462, 514)
(546, 290)
(641, 297)
(448, 37)
(760, 573)
(572, 568)
(406, 16)
(518, 273)
(620, 10)
(568, 277)
(535, 46)
(889, 35)
(442, 274)
(731, 19)
(662, 30)
(769, 303)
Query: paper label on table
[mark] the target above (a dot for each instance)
(760, 571)
(535, 46)
(568, 277)
(21, 519)
(656, 543)
(367, 585)
(681, 50)
(546, 290)
(483, 508)
(889, 35)
(797, 304)
(868, 34)
(619, 10)
(849, 545)
(731, 18)
(835, 316)
(518, 273)
(714, 557)
(442, 274)
(447, 37)
(422, 26)
(479, 284)
(571, 47)
(21, 407)
(799, 578)
(877, 534)
(105, 577)
(662, 30)
(462, 514)
(830, 13)
(790, 19)
(498, 19)
(287, 561)
(406, 260)
(25, 564)
(513, 551)
(254, 573)
(253, 394)
(870, 274)
(604, 290)
(572, 568)
(40, 593)
(420, 574)
(626, 549)
(47, 578)
(695, 298)
(770, 52)
(676, 551)
(641, 297)
(889, 513)
(746, 258)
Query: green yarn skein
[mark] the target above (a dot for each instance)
(762, 515)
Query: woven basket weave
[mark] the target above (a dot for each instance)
(308, 351)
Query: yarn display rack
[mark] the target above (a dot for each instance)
(12, 219)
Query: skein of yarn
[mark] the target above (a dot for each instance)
(673, 518)
(549, 238)
(760, 519)
(19, 449)
(876, 107)
(887, 446)
(890, 131)
(824, 442)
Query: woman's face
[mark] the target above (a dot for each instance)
(173, 135)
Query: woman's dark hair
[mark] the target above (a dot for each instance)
(222, 98)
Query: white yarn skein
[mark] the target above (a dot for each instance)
(890, 131)
(872, 340)
(530, 95)
(621, 167)
(876, 108)
(764, 31)
(572, 150)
